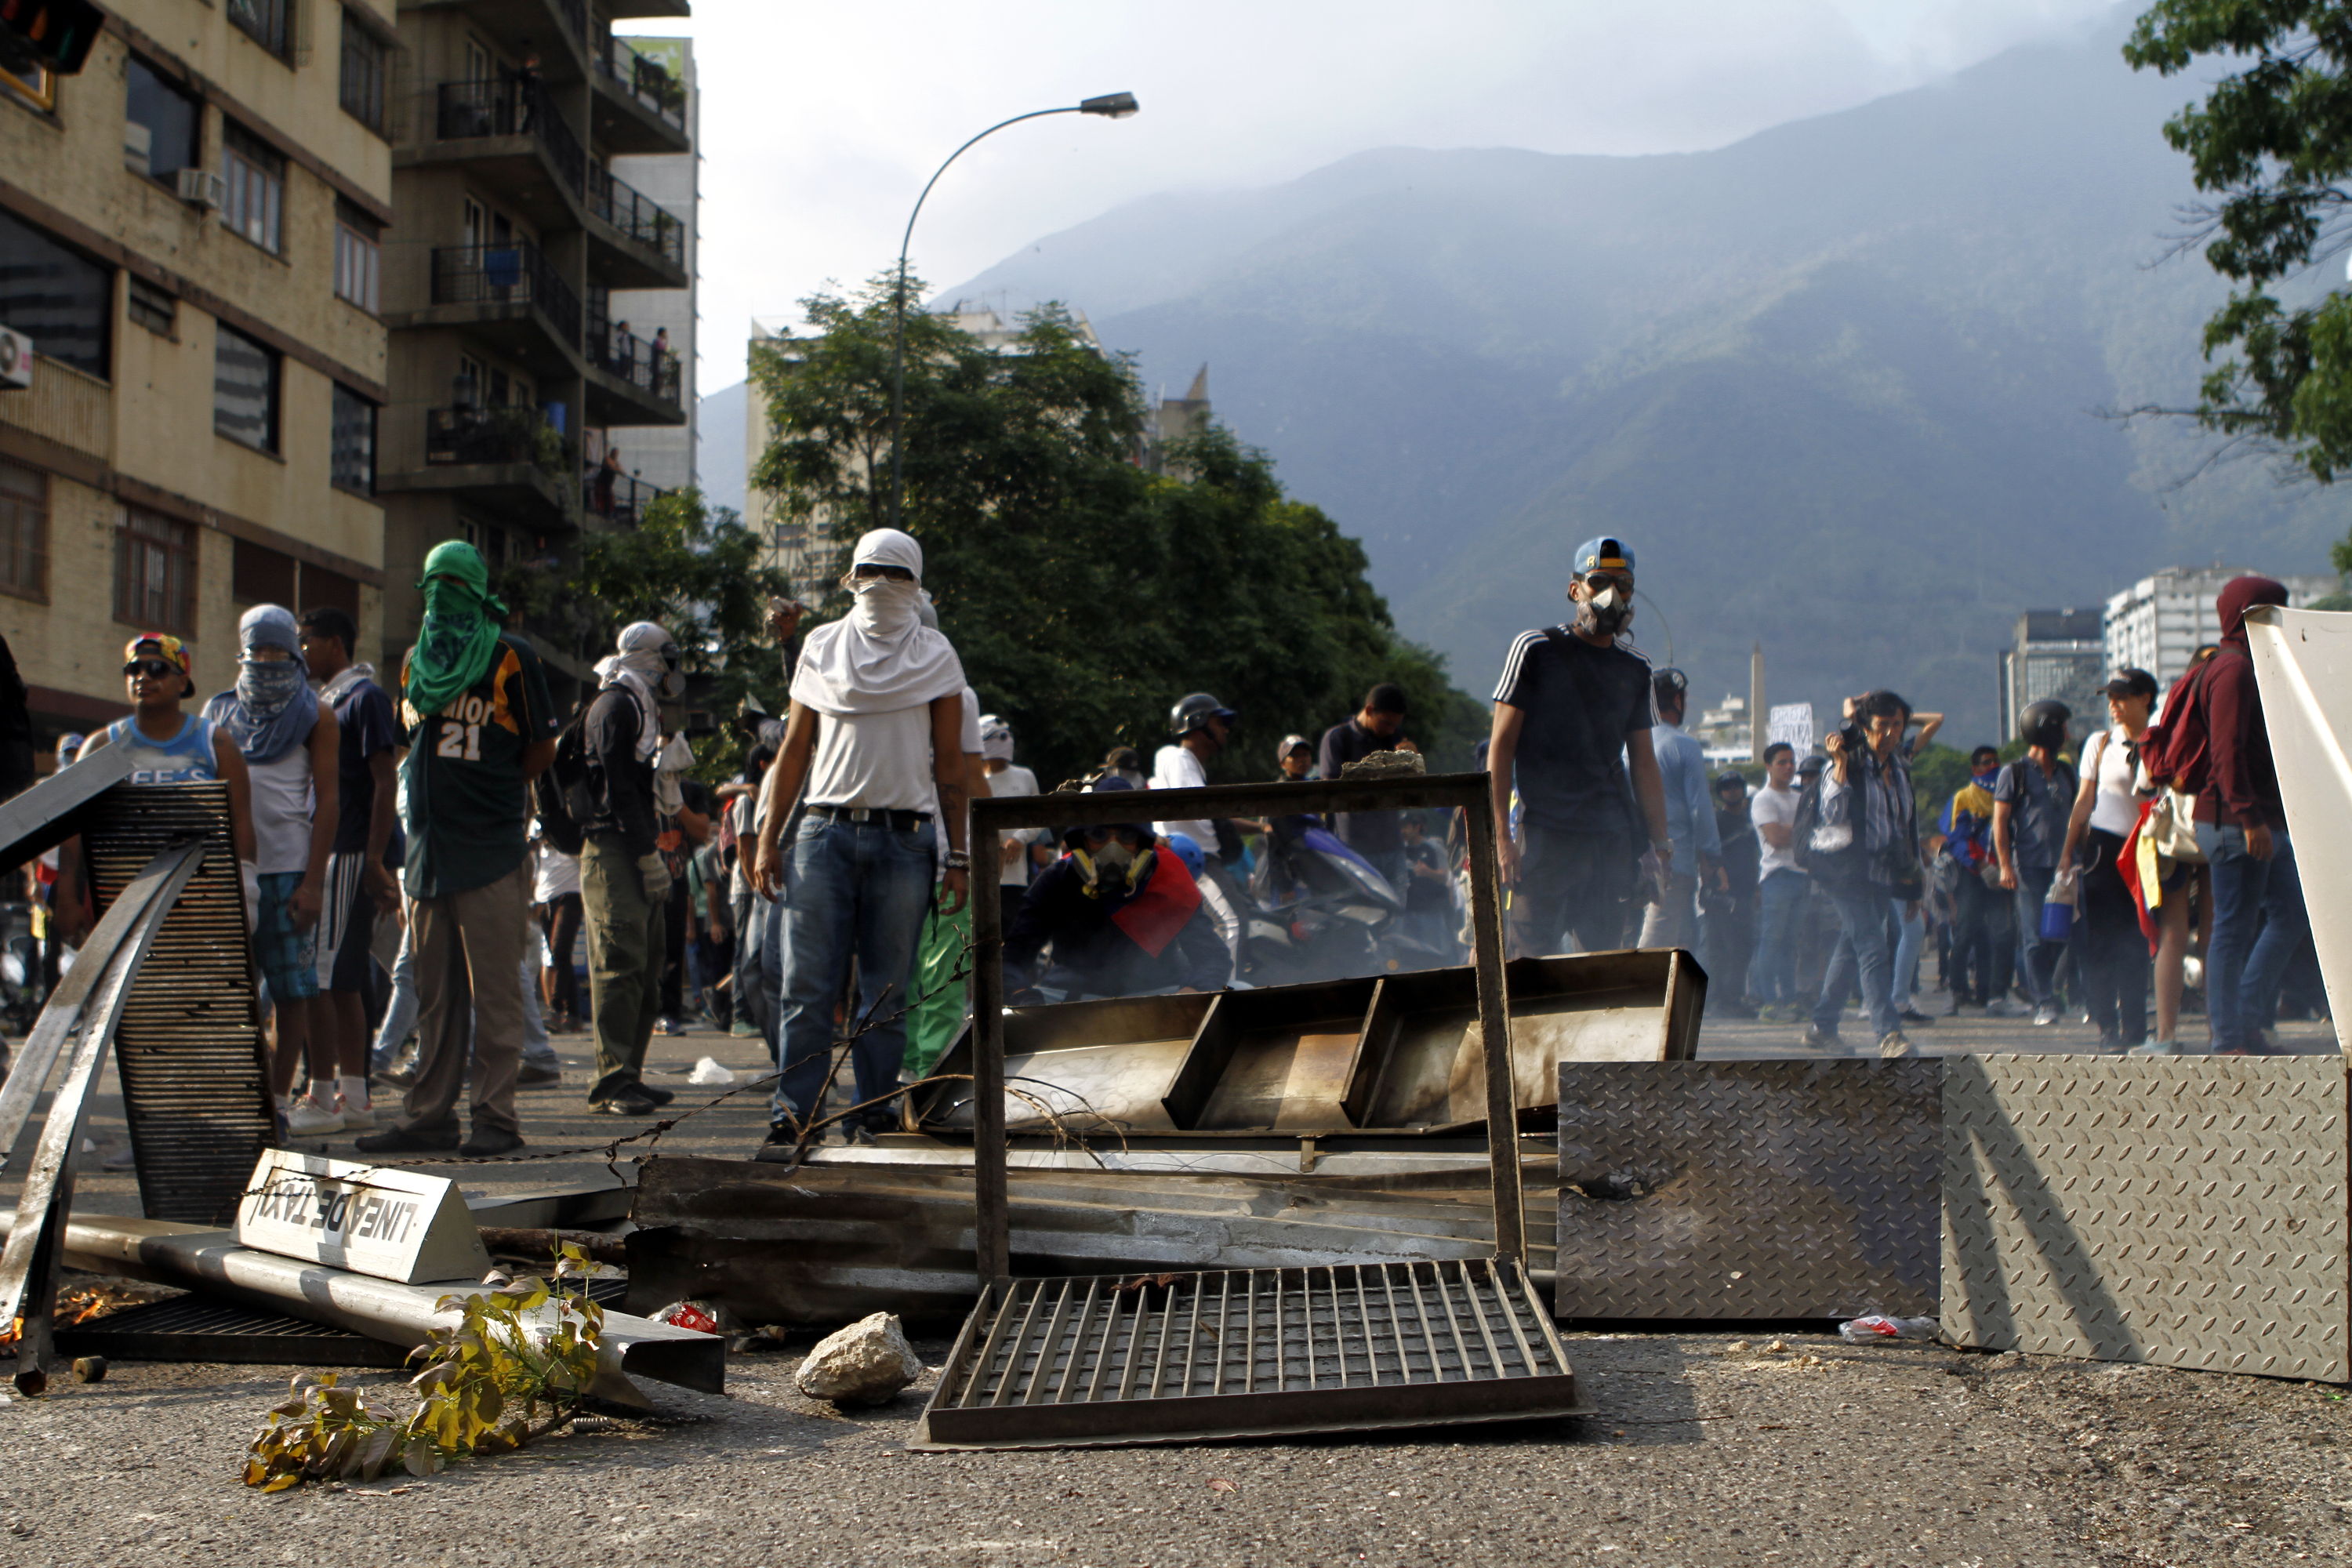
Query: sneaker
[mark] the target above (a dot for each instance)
(655, 1093)
(401, 1140)
(667, 1026)
(306, 1117)
(357, 1118)
(1912, 1016)
(2003, 1007)
(401, 1074)
(534, 1076)
(1893, 1042)
(782, 1146)
(489, 1141)
(2154, 1049)
(629, 1101)
(2045, 1016)
(1817, 1036)
(740, 1030)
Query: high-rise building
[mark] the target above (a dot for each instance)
(191, 231)
(2157, 623)
(514, 238)
(2057, 654)
(663, 456)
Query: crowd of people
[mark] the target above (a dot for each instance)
(429, 860)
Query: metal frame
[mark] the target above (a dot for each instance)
(1469, 792)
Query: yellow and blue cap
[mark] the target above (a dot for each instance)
(1603, 554)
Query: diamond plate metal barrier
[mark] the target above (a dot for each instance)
(2186, 1213)
(1762, 1190)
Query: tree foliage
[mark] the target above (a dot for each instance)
(2274, 141)
(1085, 593)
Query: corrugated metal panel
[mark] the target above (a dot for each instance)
(196, 1087)
(2188, 1213)
(1761, 1190)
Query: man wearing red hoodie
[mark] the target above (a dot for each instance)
(2241, 826)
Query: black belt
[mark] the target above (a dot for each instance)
(900, 821)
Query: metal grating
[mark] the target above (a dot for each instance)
(1248, 1353)
(1747, 1190)
(195, 1087)
(2186, 1213)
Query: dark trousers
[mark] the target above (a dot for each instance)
(558, 921)
(624, 948)
(673, 978)
(1983, 953)
(1728, 931)
(1579, 883)
(2037, 959)
(2110, 953)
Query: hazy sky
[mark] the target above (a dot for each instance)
(820, 123)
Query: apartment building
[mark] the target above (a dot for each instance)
(2055, 654)
(189, 239)
(662, 456)
(2160, 621)
(509, 365)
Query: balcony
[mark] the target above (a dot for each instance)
(507, 458)
(620, 498)
(514, 121)
(523, 27)
(511, 295)
(640, 105)
(638, 244)
(631, 381)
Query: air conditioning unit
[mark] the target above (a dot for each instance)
(203, 188)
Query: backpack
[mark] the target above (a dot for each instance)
(1837, 863)
(560, 796)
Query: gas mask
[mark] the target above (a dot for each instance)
(1108, 866)
(1606, 613)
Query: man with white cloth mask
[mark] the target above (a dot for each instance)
(623, 881)
(876, 733)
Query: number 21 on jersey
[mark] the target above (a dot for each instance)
(460, 742)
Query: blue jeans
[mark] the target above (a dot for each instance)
(1780, 904)
(2037, 960)
(857, 889)
(1861, 919)
(2241, 973)
(1913, 923)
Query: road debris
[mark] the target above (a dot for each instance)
(868, 1362)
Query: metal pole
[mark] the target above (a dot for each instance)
(1756, 703)
(992, 1220)
(1495, 1034)
(899, 313)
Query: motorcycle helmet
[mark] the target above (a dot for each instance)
(1194, 712)
(1188, 849)
(2043, 723)
(1669, 685)
(1730, 777)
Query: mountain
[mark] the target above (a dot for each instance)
(1845, 386)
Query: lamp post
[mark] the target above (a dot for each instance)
(1110, 106)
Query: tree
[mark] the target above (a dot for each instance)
(2274, 140)
(1085, 594)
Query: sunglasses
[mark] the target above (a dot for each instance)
(153, 668)
(869, 569)
(1599, 581)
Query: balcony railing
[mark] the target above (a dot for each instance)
(575, 18)
(620, 497)
(614, 350)
(644, 79)
(514, 106)
(507, 435)
(635, 215)
(516, 274)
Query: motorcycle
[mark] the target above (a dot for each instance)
(1316, 909)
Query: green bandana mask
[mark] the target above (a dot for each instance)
(460, 634)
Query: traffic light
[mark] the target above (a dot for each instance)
(51, 34)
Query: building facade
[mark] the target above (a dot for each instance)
(190, 237)
(2057, 654)
(2160, 621)
(663, 456)
(515, 385)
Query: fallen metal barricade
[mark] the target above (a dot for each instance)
(1492, 1383)
(1759, 1190)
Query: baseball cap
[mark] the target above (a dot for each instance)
(161, 645)
(2129, 682)
(1603, 554)
(1291, 744)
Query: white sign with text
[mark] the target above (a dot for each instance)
(370, 1219)
(1792, 722)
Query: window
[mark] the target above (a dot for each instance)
(359, 255)
(34, 85)
(154, 572)
(351, 461)
(256, 188)
(266, 22)
(161, 123)
(322, 589)
(366, 64)
(152, 307)
(245, 381)
(55, 295)
(24, 530)
(260, 575)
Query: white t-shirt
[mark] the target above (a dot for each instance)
(2115, 808)
(1774, 805)
(554, 875)
(882, 761)
(1175, 768)
(1013, 779)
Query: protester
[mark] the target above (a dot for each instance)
(1983, 944)
(1430, 916)
(1671, 916)
(2112, 955)
(625, 879)
(750, 913)
(1295, 759)
(555, 894)
(1573, 715)
(1781, 890)
(1200, 727)
(1728, 926)
(875, 734)
(2216, 745)
(682, 826)
(1124, 762)
(2031, 800)
(479, 725)
(360, 885)
(1019, 852)
(1378, 726)
(1122, 911)
(1861, 844)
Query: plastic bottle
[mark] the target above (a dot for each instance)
(1871, 1327)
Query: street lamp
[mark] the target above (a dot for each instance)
(1110, 106)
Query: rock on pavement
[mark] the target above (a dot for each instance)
(865, 1363)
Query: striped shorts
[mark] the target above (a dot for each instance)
(346, 924)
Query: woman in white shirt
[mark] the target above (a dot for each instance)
(2111, 954)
